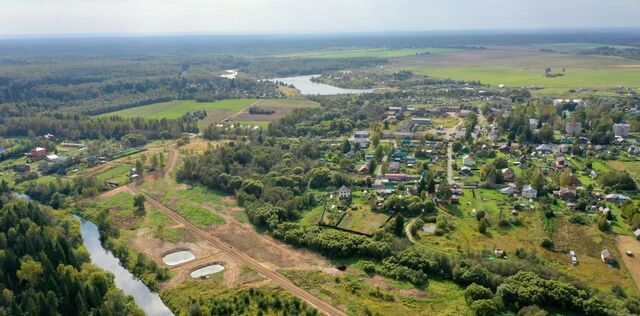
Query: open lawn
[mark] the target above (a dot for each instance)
(117, 173)
(376, 52)
(176, 109)
(521, 68)
(363, 220)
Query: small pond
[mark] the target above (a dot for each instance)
(178, 257)
(204, 271)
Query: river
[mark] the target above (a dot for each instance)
(307, 87)
(148, 300)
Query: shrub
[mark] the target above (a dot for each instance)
(476, 292)
(547, 243)
(484, 307)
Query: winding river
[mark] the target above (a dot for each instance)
(307, 87)
(148, 300)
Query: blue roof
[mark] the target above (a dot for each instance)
(1, 149)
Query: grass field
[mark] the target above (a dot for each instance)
(587, 241)
(357, 292)
(524, 68)
(363, 220)
(118, 173)
(201, 206)
(175, 109)
(376, 52)
(281, 107)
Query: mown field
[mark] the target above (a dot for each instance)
(517, 67)
(281, 108)
(176, 109)
(376, 52)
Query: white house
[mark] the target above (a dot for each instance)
(344, 192)
(468, 160)
(529, 192)
(533, 123)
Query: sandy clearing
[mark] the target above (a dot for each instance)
(632, 264)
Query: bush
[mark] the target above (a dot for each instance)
(476, 292)
(578, 219)
(484, 308)
(532, 310)
(547, 243)
(369, 267)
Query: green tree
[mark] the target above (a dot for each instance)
(138, 202)
(398, 228)
(30, 271)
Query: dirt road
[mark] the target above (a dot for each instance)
(276, 277)
(173, 159)
(624, 243)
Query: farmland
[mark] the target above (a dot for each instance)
(525, 68)
(375, 52)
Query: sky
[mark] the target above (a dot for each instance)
(64, 17)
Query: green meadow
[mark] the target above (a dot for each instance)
(525, 68)
(176, 109)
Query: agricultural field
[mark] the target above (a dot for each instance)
(174, 109)
(375, 52)
(523, 68)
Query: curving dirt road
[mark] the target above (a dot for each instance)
(276, 277)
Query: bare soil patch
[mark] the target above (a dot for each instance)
(625, 243)
(267, 250)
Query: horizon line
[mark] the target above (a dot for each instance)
(320, 33)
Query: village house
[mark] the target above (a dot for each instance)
(565, 194)
(508, 174)
(344, 192)
(37, 153)
(468, 160)
(561, 163)
(394, 167)
(617, 198)
(396, 176)
(544, 148)
(361, 138)
(508, 190)
(421, 121)
(621, 129)
(364, 170)
(465, 171)
(573, 128)
(533, 123)
(528, 192)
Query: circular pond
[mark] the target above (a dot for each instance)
(204, 271)
(178, 257)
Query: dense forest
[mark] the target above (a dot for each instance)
(45, 270)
